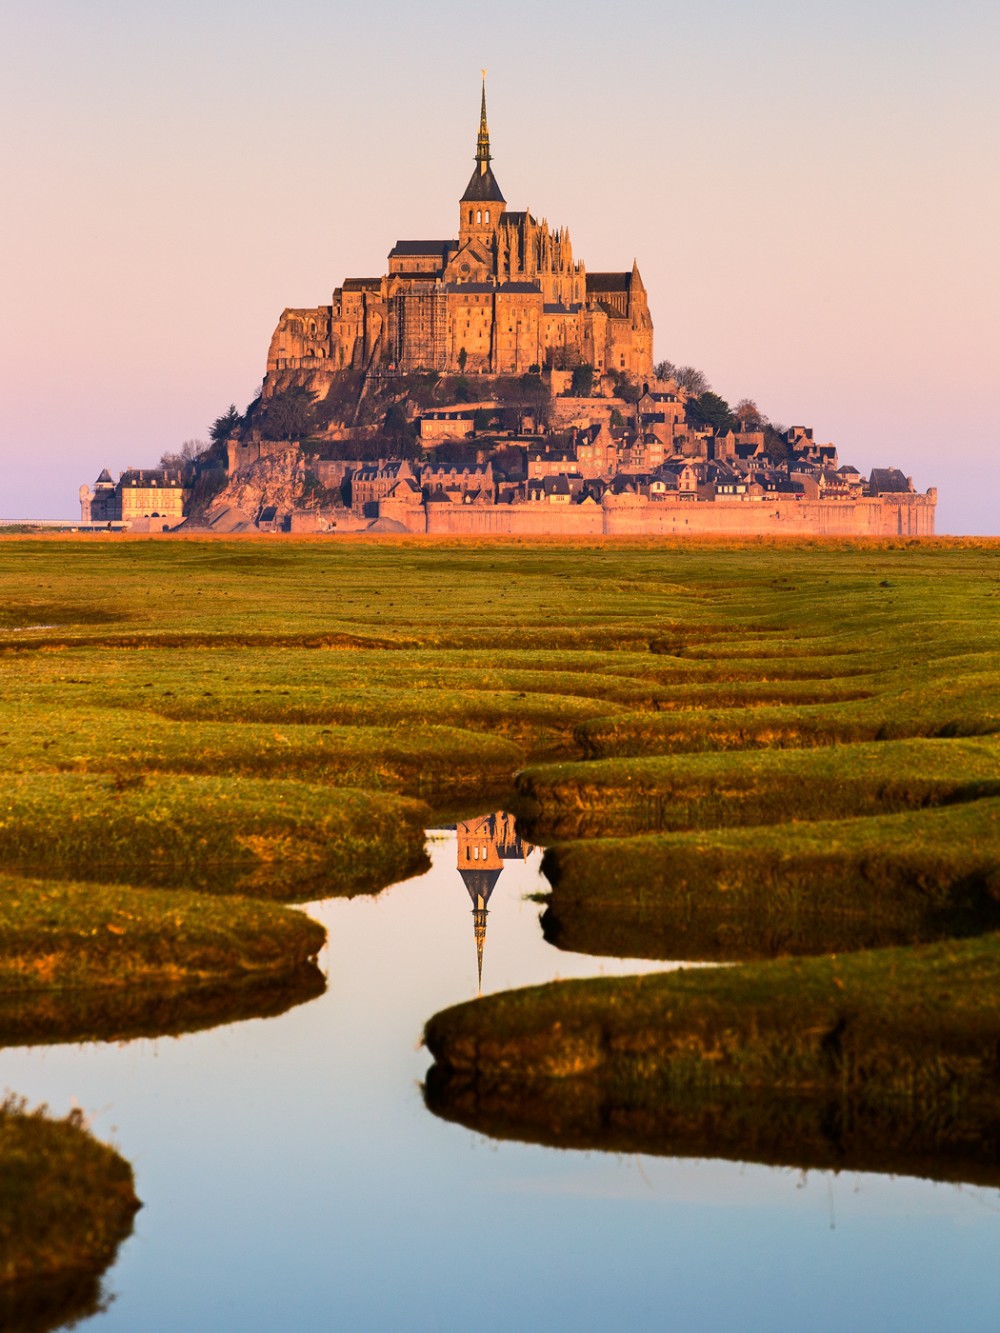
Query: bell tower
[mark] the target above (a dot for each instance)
(482, 204)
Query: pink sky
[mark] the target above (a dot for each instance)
(812, 196)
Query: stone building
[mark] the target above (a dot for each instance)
(507, 294)
(149, 496)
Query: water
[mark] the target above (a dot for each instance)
(293, 1179)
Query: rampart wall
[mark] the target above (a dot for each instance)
(882, 516)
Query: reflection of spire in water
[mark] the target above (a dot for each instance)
(483, 846)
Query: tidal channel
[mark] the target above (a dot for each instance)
(293, 1178)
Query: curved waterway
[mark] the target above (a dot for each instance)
(293, 1178)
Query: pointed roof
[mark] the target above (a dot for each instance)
(483, 187)
(480, 883)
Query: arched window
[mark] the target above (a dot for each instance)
(470, 215)
(487, 215)
(479, 215)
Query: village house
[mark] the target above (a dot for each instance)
(373, 482)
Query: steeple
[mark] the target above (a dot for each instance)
(483, 145)
(482, 203)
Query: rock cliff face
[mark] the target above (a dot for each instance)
(276, 479)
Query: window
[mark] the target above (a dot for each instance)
(487, 215)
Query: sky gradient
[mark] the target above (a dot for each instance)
(812, 194)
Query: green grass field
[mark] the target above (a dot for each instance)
(740, 751)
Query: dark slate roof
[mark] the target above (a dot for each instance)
(610, 310)
(887, 480)
(423, 249)
(105, 477)
(475, 287)
(517, 219)
(519, 287)
(361, 284)
(483, 189)
(554, 308)
(149, 477)
(609, 282)
(480, 883)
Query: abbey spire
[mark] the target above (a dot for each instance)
(483, 145)
(482, 203)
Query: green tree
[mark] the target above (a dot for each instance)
(624, 388)
(708, 409)
(225, 427)
(665, 370)
(582, 385)
(395, 423)
(288, 415)
(775, 444)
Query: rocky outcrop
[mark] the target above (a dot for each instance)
(273, 479)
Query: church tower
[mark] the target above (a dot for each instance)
(482, 203)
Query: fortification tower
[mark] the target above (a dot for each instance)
(482, 204)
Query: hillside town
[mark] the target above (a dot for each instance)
(492, 384)
(593, 464)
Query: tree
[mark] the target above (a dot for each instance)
(225, 427)
(185, 456)
(665, 370)
(775, 444)
(687, 377)
(394, 422)
(582, 385)
(288, 415)
(463, 356)
(624, 388)
(749, 415)
(708, 409)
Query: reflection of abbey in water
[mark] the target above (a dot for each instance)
(483, 846)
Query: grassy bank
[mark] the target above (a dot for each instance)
(916, 1025)
(808, 888)
(758, 787)
(57, 936)
(808, 731)
(66, 1200)
(266, 839)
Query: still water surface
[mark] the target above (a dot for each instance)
(293, 1179)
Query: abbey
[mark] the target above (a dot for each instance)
(507, 296)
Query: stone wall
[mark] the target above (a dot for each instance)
(884, 516)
